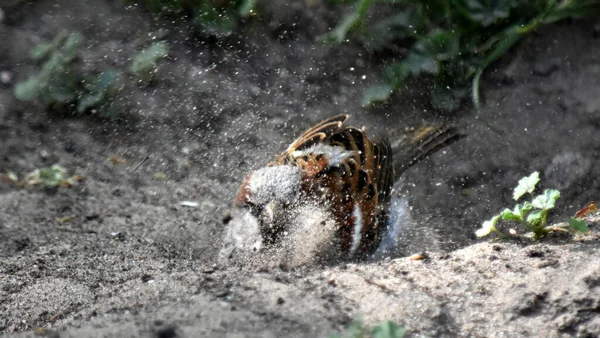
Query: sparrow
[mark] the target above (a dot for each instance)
(338, 174)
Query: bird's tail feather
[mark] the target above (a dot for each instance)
(419, 143)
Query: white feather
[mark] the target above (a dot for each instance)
(335, 154)
(358, 225)
(278, 183)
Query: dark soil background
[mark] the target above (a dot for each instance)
(135, 262)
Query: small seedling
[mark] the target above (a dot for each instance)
(56, 83)
(98, 93)
(532, 214)
(52, 176)
(387, 329)
(144, 63)
(60, 86)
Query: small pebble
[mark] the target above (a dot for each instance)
(6, 77)
(419, 256)
(191, 204)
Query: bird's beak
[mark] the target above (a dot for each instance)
(269, 211)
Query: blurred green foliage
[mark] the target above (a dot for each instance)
(53, 176)
(59, 86)
(56, 83)
(386, 329)
(217, 18)
(453, 41)
(63, 87)
(144, 63)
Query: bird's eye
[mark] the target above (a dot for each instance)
(256, 209)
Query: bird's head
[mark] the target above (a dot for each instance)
(268, 193)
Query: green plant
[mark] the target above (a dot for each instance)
(59, 85)
(213, 17)
(144, 63)
(533, 215)
(56, 82)
(453, 41)
(385, 329)
(98, 92)
(52, 176)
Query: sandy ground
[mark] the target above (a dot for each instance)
(134, 262)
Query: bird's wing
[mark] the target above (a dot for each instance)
(358, 181)
(318, 133)
(365, 181)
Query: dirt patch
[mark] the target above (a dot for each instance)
(134, 261)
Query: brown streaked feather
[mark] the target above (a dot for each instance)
(374, 197)
(318, 133)
(419, 144)
(242, 196)
(385, 157)
(368, 170)
(311, 165)
(375, 208)
(323, 126)
(430, 137)
(339, 193)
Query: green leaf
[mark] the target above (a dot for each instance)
(421, 62)
(401, 25)
(578, 225)
(573, 9)
(377, 93)
(45, 49)
(444, 44)
(350, 21)
(502, 41)
(536, 217)
(53, 175)
(488, 226)
(41, 51)
(488, 12)
(98, 92)
(60, 89)
(218, 22)
(512, 215)
(355, 330)
(246, 8)
(396, 73)
(55, 83)
(71, 46)
(339, 33)
(427, 53)
(29, 89)
(526, 185)
(446, 98)
(388, 329)
(88, 101)
(546, 200)
(518, 213)
(48, 176)
(145, 61)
